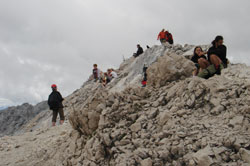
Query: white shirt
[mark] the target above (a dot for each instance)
(113, 74)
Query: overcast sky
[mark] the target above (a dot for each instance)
(57, 41)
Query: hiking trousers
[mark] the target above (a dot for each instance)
(55, 113)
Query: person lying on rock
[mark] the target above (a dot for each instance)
(217, 54)
(200, 60)
(55, 104)
(139, 51)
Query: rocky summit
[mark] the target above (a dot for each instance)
(177, 120)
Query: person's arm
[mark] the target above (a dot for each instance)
(224, 52)
(209, 52)
(194, 59)
(138, 52)
(60, 97)
(49, 103)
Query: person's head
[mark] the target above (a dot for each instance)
(95, 66)
(197, 50)
(109, 71)
(218, 41)
(138, 45)
(54, 87)
(163, 30)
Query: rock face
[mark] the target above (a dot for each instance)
(177, 120)
(168, 68)
(13, 119)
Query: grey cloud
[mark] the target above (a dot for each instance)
(57, 41)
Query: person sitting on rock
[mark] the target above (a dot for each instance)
(112, 73)
(96, 72)
(139, 51)
(200, 60)
(106, 79)
(217, 54)
(169, 37)
(55, 104)
(162, 36)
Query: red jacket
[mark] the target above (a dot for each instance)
(161, 35)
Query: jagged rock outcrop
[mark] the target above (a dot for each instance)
(177, 120)
(168, 68)
(13, 119)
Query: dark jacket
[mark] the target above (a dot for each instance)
(55, 100)
(169, 38)
(221, 52)
(139, 51)
(196, 57)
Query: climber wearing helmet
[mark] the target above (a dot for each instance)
(55, 104)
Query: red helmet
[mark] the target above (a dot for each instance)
(53, 86)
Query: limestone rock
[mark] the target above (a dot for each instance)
(202, 157)
(245, 155)
(146, 162)
(169, 68)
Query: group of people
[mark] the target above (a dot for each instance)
(165, 36)
(105, 77)
(216, 57)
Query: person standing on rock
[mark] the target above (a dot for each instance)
(217, 54)
(139, 51)
(55, 104)
(162, 36)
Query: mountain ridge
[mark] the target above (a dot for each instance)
(176, 120)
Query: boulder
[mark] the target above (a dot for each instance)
(245, 155)
(170, 67)
(202, 157)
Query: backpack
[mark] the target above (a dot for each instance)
(53, 100)
(170, 38)
(210, 71)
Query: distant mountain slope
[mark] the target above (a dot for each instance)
(3, 108)
(13, 119)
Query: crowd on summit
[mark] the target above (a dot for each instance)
(207, 64)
